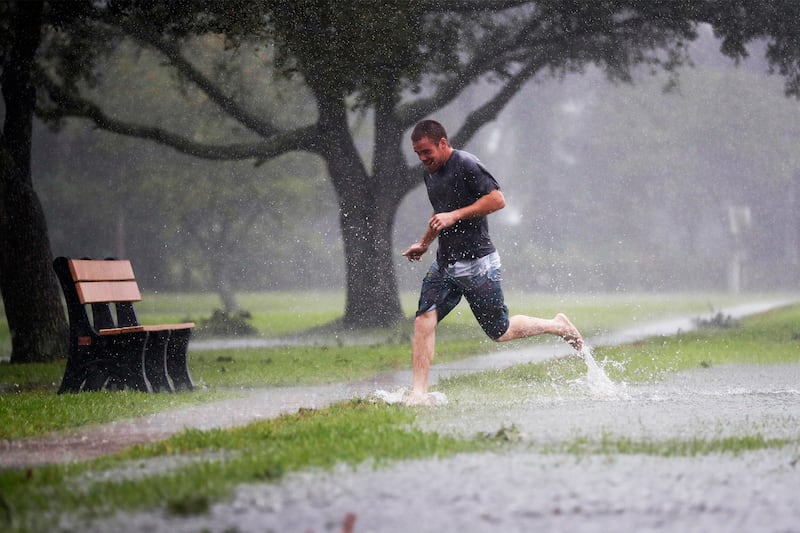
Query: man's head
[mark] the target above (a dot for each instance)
(430, 143)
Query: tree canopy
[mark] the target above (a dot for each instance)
(400, 63)
(395, 63)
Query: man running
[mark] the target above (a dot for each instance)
(462, 193)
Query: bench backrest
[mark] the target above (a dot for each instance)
(104, 281)
(97, 284)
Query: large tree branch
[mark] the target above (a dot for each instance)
(560, 47)
(495, 55)
(489, 110)
(173, 52)
(68, 105)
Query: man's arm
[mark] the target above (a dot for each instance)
(486, 204)
(418, 249)
(489, 203)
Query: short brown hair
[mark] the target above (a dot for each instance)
(430, 129)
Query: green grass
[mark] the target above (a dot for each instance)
(769, 338)
(204, 466)
(26, 415)
(274, 313)
(690, 447)
(349, 433)
(29, 407)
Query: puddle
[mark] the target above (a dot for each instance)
(532, 486)
(596, 382)
(529, 486)
(142, 468)
(519, 493)
(711, 403)
(88, 443)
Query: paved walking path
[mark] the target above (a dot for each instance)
(89, 442)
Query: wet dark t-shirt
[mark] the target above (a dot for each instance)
(459, 183)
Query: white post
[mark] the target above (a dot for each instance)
(740, 221)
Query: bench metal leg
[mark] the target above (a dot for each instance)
(155, 361)
(88, 369)
(96, 377)
(75, 372)
(177, 364)
(127, 355)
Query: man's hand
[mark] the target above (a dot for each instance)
(415, 251)
(440, 221)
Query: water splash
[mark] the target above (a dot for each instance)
(406, 397)
(597, 381)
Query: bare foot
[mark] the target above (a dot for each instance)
(571, 335)
(418, 398)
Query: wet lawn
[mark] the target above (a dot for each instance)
(204, 466)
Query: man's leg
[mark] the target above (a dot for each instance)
(485, 296)
(422, 349)
(521, 326)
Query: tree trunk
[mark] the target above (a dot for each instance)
(30, 292)
(221, 275)
(372, 292)
(366, 216)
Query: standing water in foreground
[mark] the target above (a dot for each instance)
(596, 382)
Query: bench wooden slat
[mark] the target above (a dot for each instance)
(119, 331)
(135, 329)
(107, 291)
(171, 327)
(92, 270)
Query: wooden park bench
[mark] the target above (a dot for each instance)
(113, 353)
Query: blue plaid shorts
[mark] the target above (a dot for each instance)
(441, 290)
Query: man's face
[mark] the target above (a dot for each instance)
(432, 155)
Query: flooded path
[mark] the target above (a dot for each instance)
(90, 442)
(533, 484)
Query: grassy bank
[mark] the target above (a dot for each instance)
(28, 391)
(204, 466)
(189, 471)
(29, 406)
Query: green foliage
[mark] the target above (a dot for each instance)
(342, 48)
(209, 72)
